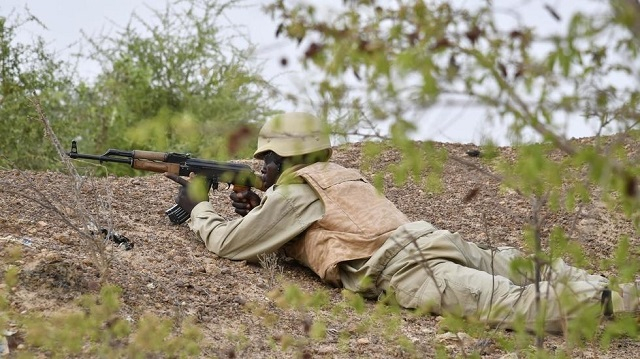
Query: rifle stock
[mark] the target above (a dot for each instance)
(241, 177)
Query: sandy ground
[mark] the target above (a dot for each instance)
(170, 273)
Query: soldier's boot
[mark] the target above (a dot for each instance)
(606, 303)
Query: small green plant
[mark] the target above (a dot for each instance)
(96, 328)
(92, 326)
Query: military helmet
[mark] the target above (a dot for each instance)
(291, 134)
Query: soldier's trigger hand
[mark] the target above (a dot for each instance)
(244, 201)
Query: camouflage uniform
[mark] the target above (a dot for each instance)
(331, 220)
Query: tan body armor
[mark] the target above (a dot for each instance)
(356, 222)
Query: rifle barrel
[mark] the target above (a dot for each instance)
(107, 157)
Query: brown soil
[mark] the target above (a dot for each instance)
(170, 273)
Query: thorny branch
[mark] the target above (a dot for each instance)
(86, 221)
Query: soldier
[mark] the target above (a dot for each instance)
(332, 220)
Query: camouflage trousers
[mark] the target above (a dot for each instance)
(441, 272)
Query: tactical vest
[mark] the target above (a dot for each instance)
(356, 222)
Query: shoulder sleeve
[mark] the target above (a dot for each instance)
(284, 212)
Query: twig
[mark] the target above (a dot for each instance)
(538, 203)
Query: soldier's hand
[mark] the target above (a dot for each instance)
(191, 192)
(244, 201)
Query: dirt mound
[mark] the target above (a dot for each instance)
(169, 272)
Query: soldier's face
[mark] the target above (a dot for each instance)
(271, 169)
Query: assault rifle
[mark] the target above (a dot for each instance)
(240, 176)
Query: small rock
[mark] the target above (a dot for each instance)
(63, 238)
(93, 285)
(53, 257)
(212, 269)
(474, 153)
(449, 337)
(87, 262)
(363, 341)
(428, 330)
(240, 300)
(325, 349)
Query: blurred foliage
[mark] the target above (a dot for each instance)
(386, 64)
(172, 82)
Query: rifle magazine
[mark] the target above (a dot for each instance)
(177, 215)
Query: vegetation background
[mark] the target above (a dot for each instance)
(179, 85)
(171, 82)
